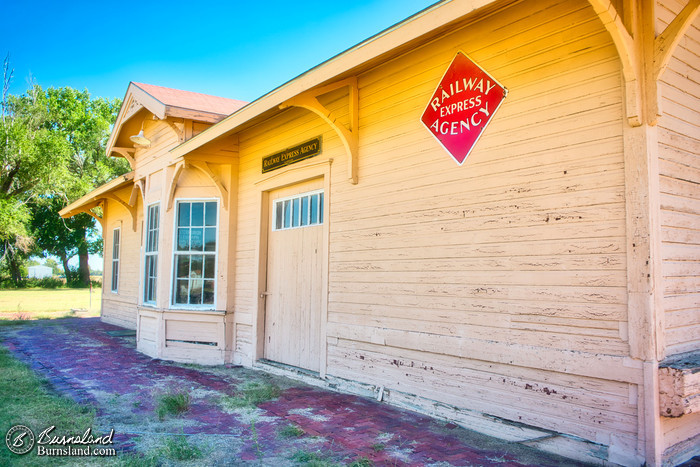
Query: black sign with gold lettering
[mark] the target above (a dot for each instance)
(292, 155)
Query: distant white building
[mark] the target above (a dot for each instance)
(40, 272)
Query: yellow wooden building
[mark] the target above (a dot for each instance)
(546, 290)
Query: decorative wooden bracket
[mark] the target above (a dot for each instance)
(627, 51)
(666, 42)
(206, 169)
(644, 57)
(131, 209)
(349, 137)
(179, 167)
(89, 212)
(180, 132)
(139, 186)
(620, 35)
(128, 154)
(99, 219)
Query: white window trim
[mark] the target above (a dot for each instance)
(114, 286)
(146, 254)
(298, 195)
(173, 263)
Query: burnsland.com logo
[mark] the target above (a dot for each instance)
(21, 440)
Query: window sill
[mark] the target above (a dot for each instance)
(203, 311)
(175, 308)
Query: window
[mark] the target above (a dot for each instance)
(115, 259)
(299, 211)
(194, 281)
(151, 267)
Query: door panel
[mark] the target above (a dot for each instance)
(294, 277)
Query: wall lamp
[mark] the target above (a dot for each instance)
(140, 139)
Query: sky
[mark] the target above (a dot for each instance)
(235, 49)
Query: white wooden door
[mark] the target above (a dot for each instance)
(294, 276)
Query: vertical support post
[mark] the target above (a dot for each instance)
(644, 279)
(644, 275)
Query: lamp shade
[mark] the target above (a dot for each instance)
(140, 139)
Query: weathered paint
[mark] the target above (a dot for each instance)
(541, 282)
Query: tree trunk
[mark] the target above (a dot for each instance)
(83, 265)
(66, 269)
(15, 272)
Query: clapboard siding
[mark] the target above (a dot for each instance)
(118, 312)
(557, 398)
(679, 185)
(288, 129)
(243, 342)
(155, 157)
(481, 285)
(458, 263)
(505, 198)
(120, 307)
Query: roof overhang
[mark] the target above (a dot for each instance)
(135, 100)
(393, 40)
(140, 102)
(97, 196)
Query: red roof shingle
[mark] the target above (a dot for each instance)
(192, 100)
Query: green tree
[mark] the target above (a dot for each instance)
(84, 122)
(60, 237)
(32, 158)
(52, 152)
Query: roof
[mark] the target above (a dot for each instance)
(97, 195)
(388, 43)
(187, 100)
(165, 102)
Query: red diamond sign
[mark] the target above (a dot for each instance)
(462, 105)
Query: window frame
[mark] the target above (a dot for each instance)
(150, 254)
(116, 260)
(176, 253)
(300, 197)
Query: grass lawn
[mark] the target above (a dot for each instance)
(25, 400)
(48, 303)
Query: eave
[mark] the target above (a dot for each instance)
(433, 18)
(138, 99)
(97, 196)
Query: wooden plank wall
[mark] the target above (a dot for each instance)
(289, 129)
(147, 333)
(120, 308)
(679, 167)
(498, 286)
(195, 337)
(491, 285)
(155, 157)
